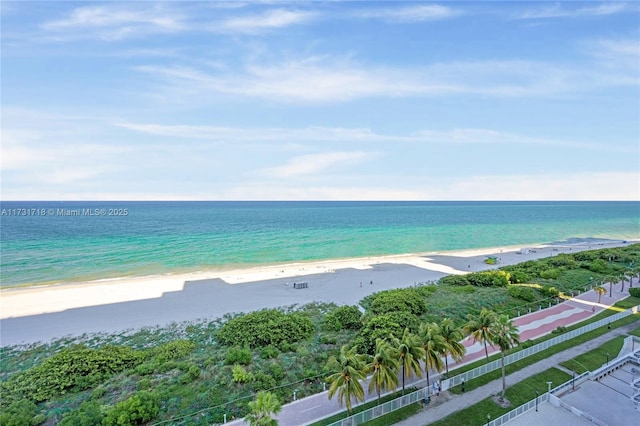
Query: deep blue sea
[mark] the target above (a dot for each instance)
(49, 242)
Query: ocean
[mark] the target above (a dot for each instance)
(53, 242)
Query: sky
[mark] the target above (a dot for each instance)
(310, 100)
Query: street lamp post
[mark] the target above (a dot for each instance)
(537, 393)
(607, 358)
(573, 381)
(549, 386)
(463, 384)
(488, 418)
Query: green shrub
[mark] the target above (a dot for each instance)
(144, 384)
(265, 327)
(521, 292)
(99, 392)
(87, 414)
(489, 278)
(276, 371)
(634, 291)
(519, 277)
(405, 299)
(19, 413)
(269, 352)
(550, 274)
(138, 409)
(453, 280)
(238, 355)
(71, 369)
(240, 374)
(343, 317)
(599, 266)
(549, 291)
(173, 350)
(263, 381)
(145, 369)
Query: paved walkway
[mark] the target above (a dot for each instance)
(532, 325)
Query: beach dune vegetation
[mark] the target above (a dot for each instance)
(71, 370)
(265, 327)
(409, 299)
(343, 317)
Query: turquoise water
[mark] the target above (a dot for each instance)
(77, 241)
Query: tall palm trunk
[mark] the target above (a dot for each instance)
(504, 381)
(486, 351)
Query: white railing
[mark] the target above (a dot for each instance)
(384, 408)
(524, 408)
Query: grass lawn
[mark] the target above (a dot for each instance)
(517, 394)
(396, 416)
(594, 359)
(635, 332)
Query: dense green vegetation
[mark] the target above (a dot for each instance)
(195, 373)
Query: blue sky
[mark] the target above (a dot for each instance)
(332, 100)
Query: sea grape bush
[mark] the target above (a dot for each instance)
(343, 317)
(72, 369)
(265, 327)
(406, 299)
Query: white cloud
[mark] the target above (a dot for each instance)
(272, 19)
(331, 80)
(410, 14)
(557, 10)
(355, 135)
(315, 163)
(115, 23)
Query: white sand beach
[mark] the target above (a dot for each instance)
(42, 313)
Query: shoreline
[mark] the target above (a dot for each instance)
(36, 313)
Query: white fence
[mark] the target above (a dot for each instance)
(384, 408)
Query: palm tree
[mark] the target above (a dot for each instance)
(265, 405)
(433, 345)
(481, 328)
(452, 336)
(505, 335)
(409, 352)
(384, 367)
(346, 381)
(600, 290)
